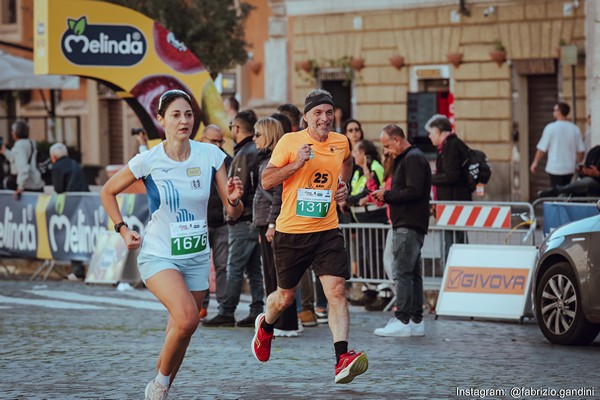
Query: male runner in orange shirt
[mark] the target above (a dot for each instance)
(313, 165)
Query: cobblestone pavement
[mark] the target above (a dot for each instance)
(65, 340)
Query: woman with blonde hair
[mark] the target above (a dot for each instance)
(267, 204)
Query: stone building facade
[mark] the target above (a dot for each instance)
(408, 51)
(499, 107)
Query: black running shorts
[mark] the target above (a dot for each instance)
(295, 252)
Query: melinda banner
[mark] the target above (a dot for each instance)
(61, 226)
(137, 56)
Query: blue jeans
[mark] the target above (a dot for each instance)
(244, 256)
(406, 248)
(451, 237)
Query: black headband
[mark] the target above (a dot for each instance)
(312, 102)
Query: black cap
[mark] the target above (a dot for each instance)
(313, 101)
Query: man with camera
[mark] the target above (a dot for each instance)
(24, 174)
(141, 137)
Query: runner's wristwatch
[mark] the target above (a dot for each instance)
(120, 225)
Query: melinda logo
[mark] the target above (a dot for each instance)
(487, 280)
(116, 45)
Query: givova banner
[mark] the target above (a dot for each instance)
(61, 226)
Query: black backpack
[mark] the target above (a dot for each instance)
(476, 168)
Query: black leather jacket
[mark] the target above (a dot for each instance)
(216, 212)
(267, 203)
(67, 176)
(244, 166)
(449, 179)
(409, 195)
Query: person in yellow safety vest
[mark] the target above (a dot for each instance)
(368, 176)
(367, 158)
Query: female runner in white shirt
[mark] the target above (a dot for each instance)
(174, 258)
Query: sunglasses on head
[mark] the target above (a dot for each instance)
(169, 94)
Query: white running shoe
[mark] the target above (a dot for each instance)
(154, 391)
(283, 333)
(321, 317)
(300, 326)
(417, 329)
(394, 328)
(73, 278)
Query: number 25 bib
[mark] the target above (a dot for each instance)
(313, 203)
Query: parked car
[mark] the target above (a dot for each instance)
(566, 283)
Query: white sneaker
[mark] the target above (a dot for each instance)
(283, 333)
(300, 326)
(154, 391)
(417, 329)
(394, 328)
(73, 278)
(322, 317)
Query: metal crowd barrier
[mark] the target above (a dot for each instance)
(510, 223)
(539, 203)
(552, 218)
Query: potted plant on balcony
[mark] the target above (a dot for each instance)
(305, 65)
(357, 63)
(498, 55)
(307, 70)
(397, 61)
(254, 66)
(454, 58)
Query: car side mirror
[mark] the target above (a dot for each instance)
(598, 205)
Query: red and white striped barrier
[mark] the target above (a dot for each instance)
(473, 216)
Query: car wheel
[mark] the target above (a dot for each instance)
(559, 309)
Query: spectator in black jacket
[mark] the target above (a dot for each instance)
(409, 212)
(244, 249)
(67, 176)
(449, 179)
(218, 230)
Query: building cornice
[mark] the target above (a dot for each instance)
(319, 7)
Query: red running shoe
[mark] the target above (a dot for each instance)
(203, 313)
(350, 366)
(261, 343)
